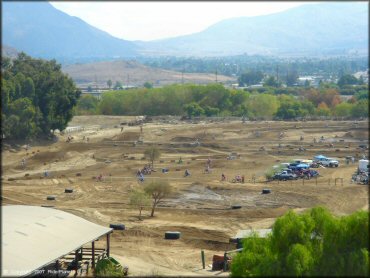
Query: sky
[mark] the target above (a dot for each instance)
(157, 20)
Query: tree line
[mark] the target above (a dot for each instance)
(314, 243)
(216, 100)
(36, 97)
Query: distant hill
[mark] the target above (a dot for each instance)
(134, 73)
(40, 30)
(329, 28)
(315, 29)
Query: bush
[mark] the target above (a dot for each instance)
(312, 243)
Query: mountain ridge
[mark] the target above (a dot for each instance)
(41, 30)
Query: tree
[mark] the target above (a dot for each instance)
(272, 82)
(109, 83)
(314, 243)
(152, 153)
(193, 109)
(291, 78)
(37, 97)
(250, 78)
(347, 79)
(158, 190)
(148, 85)
(139, 199)
(118, 85)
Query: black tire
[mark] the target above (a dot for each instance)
(47, 206)
(266, 191)
(236, 207)
(172, 235)
(120, 227)
(50, 198)
(68, 190)
(336, 165)
(330, 165)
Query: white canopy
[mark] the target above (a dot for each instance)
(33, 237)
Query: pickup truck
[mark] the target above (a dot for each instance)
(285, 176)
(329, 162)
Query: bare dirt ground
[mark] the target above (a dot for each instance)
(200, 205)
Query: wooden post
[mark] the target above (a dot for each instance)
(108, 244)
(203, 260)
(76, 263)
(225, 261)
(93, 254)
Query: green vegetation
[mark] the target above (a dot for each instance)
(109, 267)
(216, 100)
(158, 190)
(314, 243)
(36, 96)
(139, 199)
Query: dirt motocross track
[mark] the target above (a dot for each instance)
(200, 205)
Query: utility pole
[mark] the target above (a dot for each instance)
(216, 75)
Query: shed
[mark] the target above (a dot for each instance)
(247, 233)
(34, 237)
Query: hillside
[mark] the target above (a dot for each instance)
(317, 29)
(40, 30)
(134, 73)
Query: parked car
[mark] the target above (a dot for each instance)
(285, 176)
(329, 162)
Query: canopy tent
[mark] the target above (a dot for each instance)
(318, 157)
(302, 166)
(33, 237)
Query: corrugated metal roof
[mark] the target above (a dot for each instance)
(36, 236)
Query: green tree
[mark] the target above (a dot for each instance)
(109, 83)
(309, 244)
(360, 109)
(152, 153)
(272, 82)
(250, 78)
(193, 109)
(148, 85)
(140, 200)
(343, 109)
(347, 79)
(118, 85)
(158, 190)
(38, 97)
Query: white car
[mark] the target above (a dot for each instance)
(329, 162)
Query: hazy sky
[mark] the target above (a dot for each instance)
(157, 20)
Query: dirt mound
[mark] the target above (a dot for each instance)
(127, 136)
(47, 156)
(182, 139)
(348, 135)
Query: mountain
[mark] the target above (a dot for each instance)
(329, 28)
(134, 73)
(314, 29)
(43, 31)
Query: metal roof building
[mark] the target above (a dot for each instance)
(33, 237)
